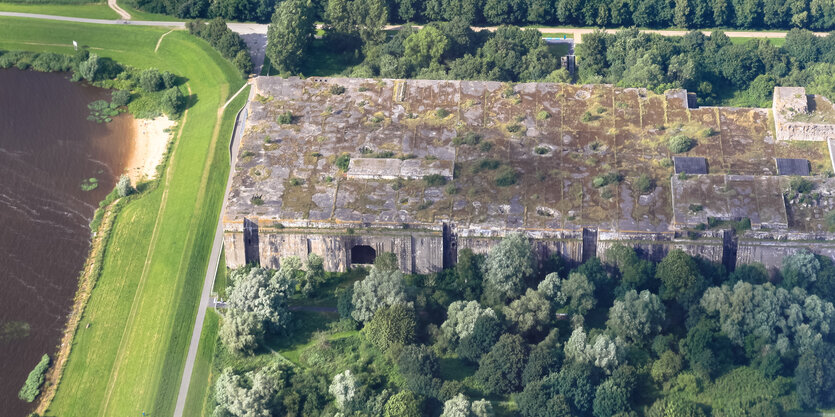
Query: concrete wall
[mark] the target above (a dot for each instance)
(417, 252)
(422, 252)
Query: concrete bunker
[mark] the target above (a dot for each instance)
(363, 255)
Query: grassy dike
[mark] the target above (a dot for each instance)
(130, 359)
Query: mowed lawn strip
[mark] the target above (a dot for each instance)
(87, 10)
(203, 377)
(132, 364)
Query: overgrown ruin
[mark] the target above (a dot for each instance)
(348, 168)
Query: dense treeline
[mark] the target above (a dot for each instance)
(146, 93)
(682, 337)
(447, 50)
(711, 66)
(230, 45)
(749, 14)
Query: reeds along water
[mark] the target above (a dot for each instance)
(48, 148)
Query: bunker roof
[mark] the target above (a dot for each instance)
(489, 156)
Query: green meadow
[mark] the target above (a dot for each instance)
(130, 358)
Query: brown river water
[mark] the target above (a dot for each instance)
(47, 149)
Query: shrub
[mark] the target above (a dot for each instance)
(172, 102)
(243, 62)
(470, 138)
(514, 128)
(587, 117)
(606, 179)
(256, 200)
(451, 189)
(119, 98)
(506, 176)
(392, 326)
(680, 143)
(285, 118)
(123, 187)
(337, 89)
(32, 387)
(542, 150)
(295, 182)
(801, 185)
(485, 146)
(441, 113)
(644, 184)
(151, 80)
(543, 115)
(434, 180)
(342, 161)
(384, 154)
(695, 208)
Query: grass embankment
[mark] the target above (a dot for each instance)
(142, 310)
(86, 10)
(199, 399)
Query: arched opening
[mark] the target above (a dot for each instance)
(363, 254)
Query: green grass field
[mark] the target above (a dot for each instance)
(142, 310)
(199, 398)
(88, 10)
(136, 14)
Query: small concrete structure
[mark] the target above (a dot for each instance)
(792, 166)
(389, 168)
(729, 197)
(690, 165)
(798, 116)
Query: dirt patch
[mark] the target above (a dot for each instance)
(150, 141)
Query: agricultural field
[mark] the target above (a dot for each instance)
(130, 357)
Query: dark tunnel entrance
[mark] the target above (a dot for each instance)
(363, 254)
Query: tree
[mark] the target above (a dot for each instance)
(460, 406)
(289, 35)
(119, 98)
(604, 352)
(250, 395)
(425, 47)
(344, 389)
(123, 187)
(637, 317)
(500, 370)
(610, 399)
(314, 275)
(815, 377)
(634, 271)
(392, 326)
(666, 367)
(241, 331)
(680, 278)
(418, 360)
(777, 317)
(508, 264)
(800, 269)
(89, 69)
(379, 289)
(577, 382)
(263, 293)
(531, 313)
(801, 46)
(387, 262)
(706, 349)
(150, 80)
(468, 274)
(470, 329)
(172, 102)
(540, 399)
(544, 359)
(243, 62)
(580, 293)
(361, 18)
(32, 387)
(402, 404)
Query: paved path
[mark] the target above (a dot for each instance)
(211, 271)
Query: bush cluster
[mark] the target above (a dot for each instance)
(230, 45)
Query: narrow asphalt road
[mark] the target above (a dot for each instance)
(211, 271)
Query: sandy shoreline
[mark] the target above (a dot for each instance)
(150, 140)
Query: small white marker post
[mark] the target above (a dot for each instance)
(75, 45)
